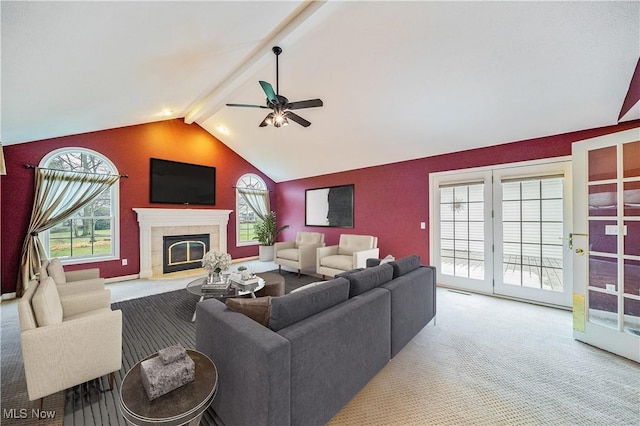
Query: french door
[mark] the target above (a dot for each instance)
(532, 216)
(606, 242)
(503, 230)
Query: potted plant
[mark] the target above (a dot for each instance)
(267, 232)
(244, 273)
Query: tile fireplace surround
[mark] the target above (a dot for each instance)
(157, 223)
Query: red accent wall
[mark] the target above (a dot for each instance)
(129, 148)
(391, 200)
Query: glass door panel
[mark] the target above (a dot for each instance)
(631, 159)
(607, 244)
(462, 230)
(461, 251)
(529, 228)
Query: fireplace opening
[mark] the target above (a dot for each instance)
(182, 252)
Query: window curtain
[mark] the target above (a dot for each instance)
(58, 195)
(258, 200)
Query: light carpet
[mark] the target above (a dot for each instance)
(490, 361)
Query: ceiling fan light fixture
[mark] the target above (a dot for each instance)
(279, 104)
(280, 121)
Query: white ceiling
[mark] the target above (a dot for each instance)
(399, 80)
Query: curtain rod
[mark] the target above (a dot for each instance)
(29, 166)
(250, 189)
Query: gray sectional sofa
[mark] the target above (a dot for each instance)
(321, 346)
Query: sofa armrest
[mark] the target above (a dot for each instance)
(307, 254)
(283, 245)
(60, 356)
(326, 251)
(83, 286)
(253, 364)
(360, 257)
(82, 274)
(80, 303)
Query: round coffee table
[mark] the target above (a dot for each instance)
(181, 406)
(195, 287)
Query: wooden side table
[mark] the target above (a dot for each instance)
(181, 406)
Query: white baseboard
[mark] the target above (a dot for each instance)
(244, 259)
(8, 296)
(121, 278)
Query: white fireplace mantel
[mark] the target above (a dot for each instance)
(149, 218)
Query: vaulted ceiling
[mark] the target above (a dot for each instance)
(399, 80)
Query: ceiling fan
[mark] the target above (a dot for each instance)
(282, 108)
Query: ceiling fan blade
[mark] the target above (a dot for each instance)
(247, 106)
(268, 90)
(311, 103)
(267, 120)
(295, 117)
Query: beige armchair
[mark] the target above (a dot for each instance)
(67, 340)
(299, 254)
(351, 252)
(71, 282)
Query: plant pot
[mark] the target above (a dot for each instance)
(265, 253)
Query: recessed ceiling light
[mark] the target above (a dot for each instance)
(166, 112)
(222, 129)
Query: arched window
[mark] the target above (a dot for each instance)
(92, 233)
(252, 202)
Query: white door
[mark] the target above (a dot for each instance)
(532, 216)
(606, 242)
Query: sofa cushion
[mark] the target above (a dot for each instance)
(366, 279)
(289, 254)
(55, 271)
(46, 303)
(350, 244)
(294, 307)
(336, 261)
(257, 309)
(404, 265)
(303, 238)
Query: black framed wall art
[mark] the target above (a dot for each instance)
(331, 206)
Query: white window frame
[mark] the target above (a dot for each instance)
(240, 184)
(115, 212)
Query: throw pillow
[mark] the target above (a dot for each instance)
(56, 271)
(388, 258)
(258, 309)
(308, 286)
(46, 303)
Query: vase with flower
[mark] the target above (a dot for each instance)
(215, 262)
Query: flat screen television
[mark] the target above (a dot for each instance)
(182, 183)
